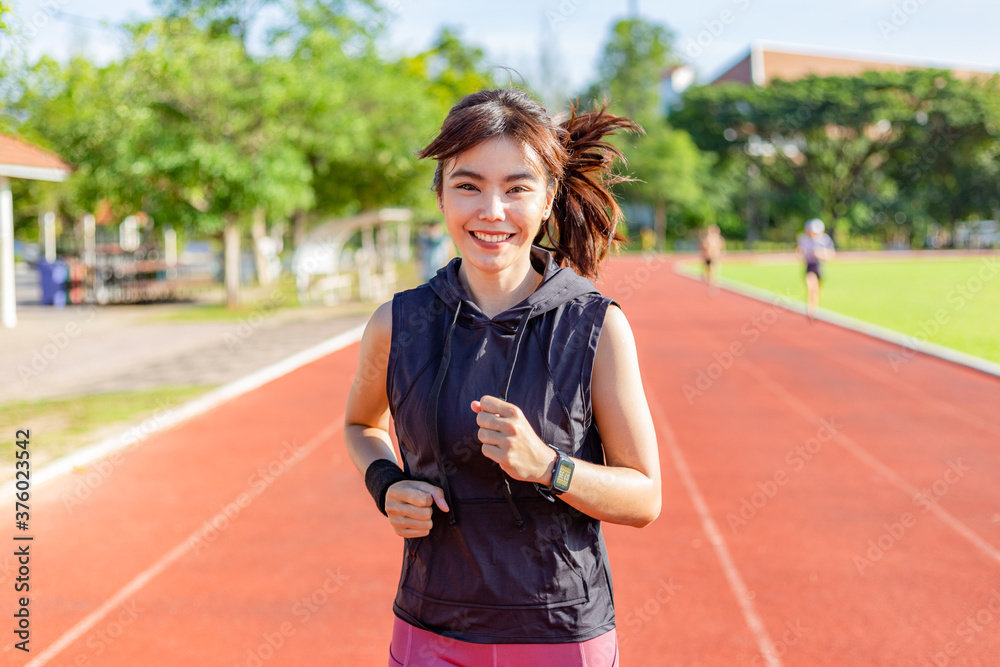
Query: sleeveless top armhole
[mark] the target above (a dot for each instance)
(393, 350)
(587, 368)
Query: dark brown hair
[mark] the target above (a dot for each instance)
(583, 226)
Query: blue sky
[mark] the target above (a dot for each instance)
(709, 35)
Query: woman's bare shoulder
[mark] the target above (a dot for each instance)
(378, 331)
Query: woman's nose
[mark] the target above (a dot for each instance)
(492, 208)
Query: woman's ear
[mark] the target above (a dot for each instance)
(440, 204)
(551, 198)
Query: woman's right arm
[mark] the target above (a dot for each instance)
(366, 428)
(366, 431)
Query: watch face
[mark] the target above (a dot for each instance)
(564, 473)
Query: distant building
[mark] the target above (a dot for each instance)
(673, 83)
(766, 61)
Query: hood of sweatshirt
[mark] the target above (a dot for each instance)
(559, 285)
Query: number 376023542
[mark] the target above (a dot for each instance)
(23, 475)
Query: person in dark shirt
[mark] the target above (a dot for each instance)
(516, 396)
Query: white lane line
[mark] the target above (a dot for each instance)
(736, 584)
(171, 417)
(193, 540)
(869, 460)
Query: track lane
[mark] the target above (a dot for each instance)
(312, 530)
(784, 532)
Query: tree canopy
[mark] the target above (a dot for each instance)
(213, 117)
(856, 149)
(667, 166)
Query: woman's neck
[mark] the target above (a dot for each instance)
(496, 292)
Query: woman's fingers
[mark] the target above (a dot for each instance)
(410, 507)
(415, 493)
(494, 406)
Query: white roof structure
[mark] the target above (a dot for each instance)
(19, 159)
(317, 261)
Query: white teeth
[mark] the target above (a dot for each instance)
(491, 238)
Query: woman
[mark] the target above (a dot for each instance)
(712, 247)
(518, 406)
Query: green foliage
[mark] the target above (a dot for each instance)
(453, 68)
(634, 58)
(667, 164)
(194, 129)
(885, 151)
(212, 114)
(362, 119)
(668, 167)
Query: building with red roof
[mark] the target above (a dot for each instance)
(766, 61)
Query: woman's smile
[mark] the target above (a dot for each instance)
(491, 238)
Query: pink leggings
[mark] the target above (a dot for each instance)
(413, 647)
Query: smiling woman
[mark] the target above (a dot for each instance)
(518, 405)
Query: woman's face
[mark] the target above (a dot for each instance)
(494, 197)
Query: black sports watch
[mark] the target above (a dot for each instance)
(562, 474)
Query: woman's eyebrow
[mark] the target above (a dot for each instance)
(521, 176)
(463, 172)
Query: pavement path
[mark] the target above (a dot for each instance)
(57, 352)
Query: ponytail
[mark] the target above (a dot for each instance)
(583, 226)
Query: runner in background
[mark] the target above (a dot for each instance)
(434, 249)
(814, 245)
(712, 247)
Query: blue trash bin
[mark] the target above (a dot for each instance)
(52, 278)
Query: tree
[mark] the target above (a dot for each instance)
(200, 133)
(215, 143)
(631, 67)
(875, 151)
(187, 128)
(665, 161)
(668, 167)
(945, 160)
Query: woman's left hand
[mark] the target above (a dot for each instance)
(510, 440)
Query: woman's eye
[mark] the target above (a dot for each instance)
(519, 188)
(466, 186)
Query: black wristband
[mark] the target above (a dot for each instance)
(381, 474)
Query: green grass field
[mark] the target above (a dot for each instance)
(61, 425)
(949, 301)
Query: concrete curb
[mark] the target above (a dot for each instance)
(169, 418)
(908, 344)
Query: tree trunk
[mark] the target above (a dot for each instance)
(753, 233)
(298, 228)
(660, 224)
(260, 258)
(231, 261)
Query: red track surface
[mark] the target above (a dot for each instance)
(300, 569)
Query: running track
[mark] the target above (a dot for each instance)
(245, 537)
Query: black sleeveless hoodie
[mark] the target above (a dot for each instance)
(505, 565)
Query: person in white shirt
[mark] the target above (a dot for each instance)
(814, 245)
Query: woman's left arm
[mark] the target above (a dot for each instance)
(627, 489)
